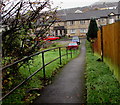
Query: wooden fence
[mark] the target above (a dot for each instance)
(107, 46)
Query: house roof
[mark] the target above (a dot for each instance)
(91, 7)
(67, 11)
(119, 7)
(71, 14)
(87, 15)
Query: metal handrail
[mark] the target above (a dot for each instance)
(27, 57)
(44, 65)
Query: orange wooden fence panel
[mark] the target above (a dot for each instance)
(111, 46)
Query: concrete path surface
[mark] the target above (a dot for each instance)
(69, 85)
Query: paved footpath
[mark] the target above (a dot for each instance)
(69, 85)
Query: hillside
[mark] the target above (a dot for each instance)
(101, 2)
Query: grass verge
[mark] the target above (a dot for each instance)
(24, 95)
(102, 86)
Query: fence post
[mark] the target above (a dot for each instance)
(60, 55)
(43, 61)
(102, 49)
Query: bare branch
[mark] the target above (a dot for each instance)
(21, 18)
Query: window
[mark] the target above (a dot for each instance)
(72, 22)
(111, 20)
(82, 22)
(98, 20)
(72, 31)
(65, 23)
(72, 44)
(83, 30)
(102, 20)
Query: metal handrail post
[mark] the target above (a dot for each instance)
(67, 53)
(43, 61)
(60, 55)
(71, 53)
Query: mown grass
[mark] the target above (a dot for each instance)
(102, 86)
(21, 95)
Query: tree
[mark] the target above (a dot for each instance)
(20, 19)
(92, 30)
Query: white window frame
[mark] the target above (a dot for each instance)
(72, 22)
(82, 21)
(83, 30)
(72, 31)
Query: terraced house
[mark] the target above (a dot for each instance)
(75, 21)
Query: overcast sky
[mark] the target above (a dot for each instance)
(76, 3)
